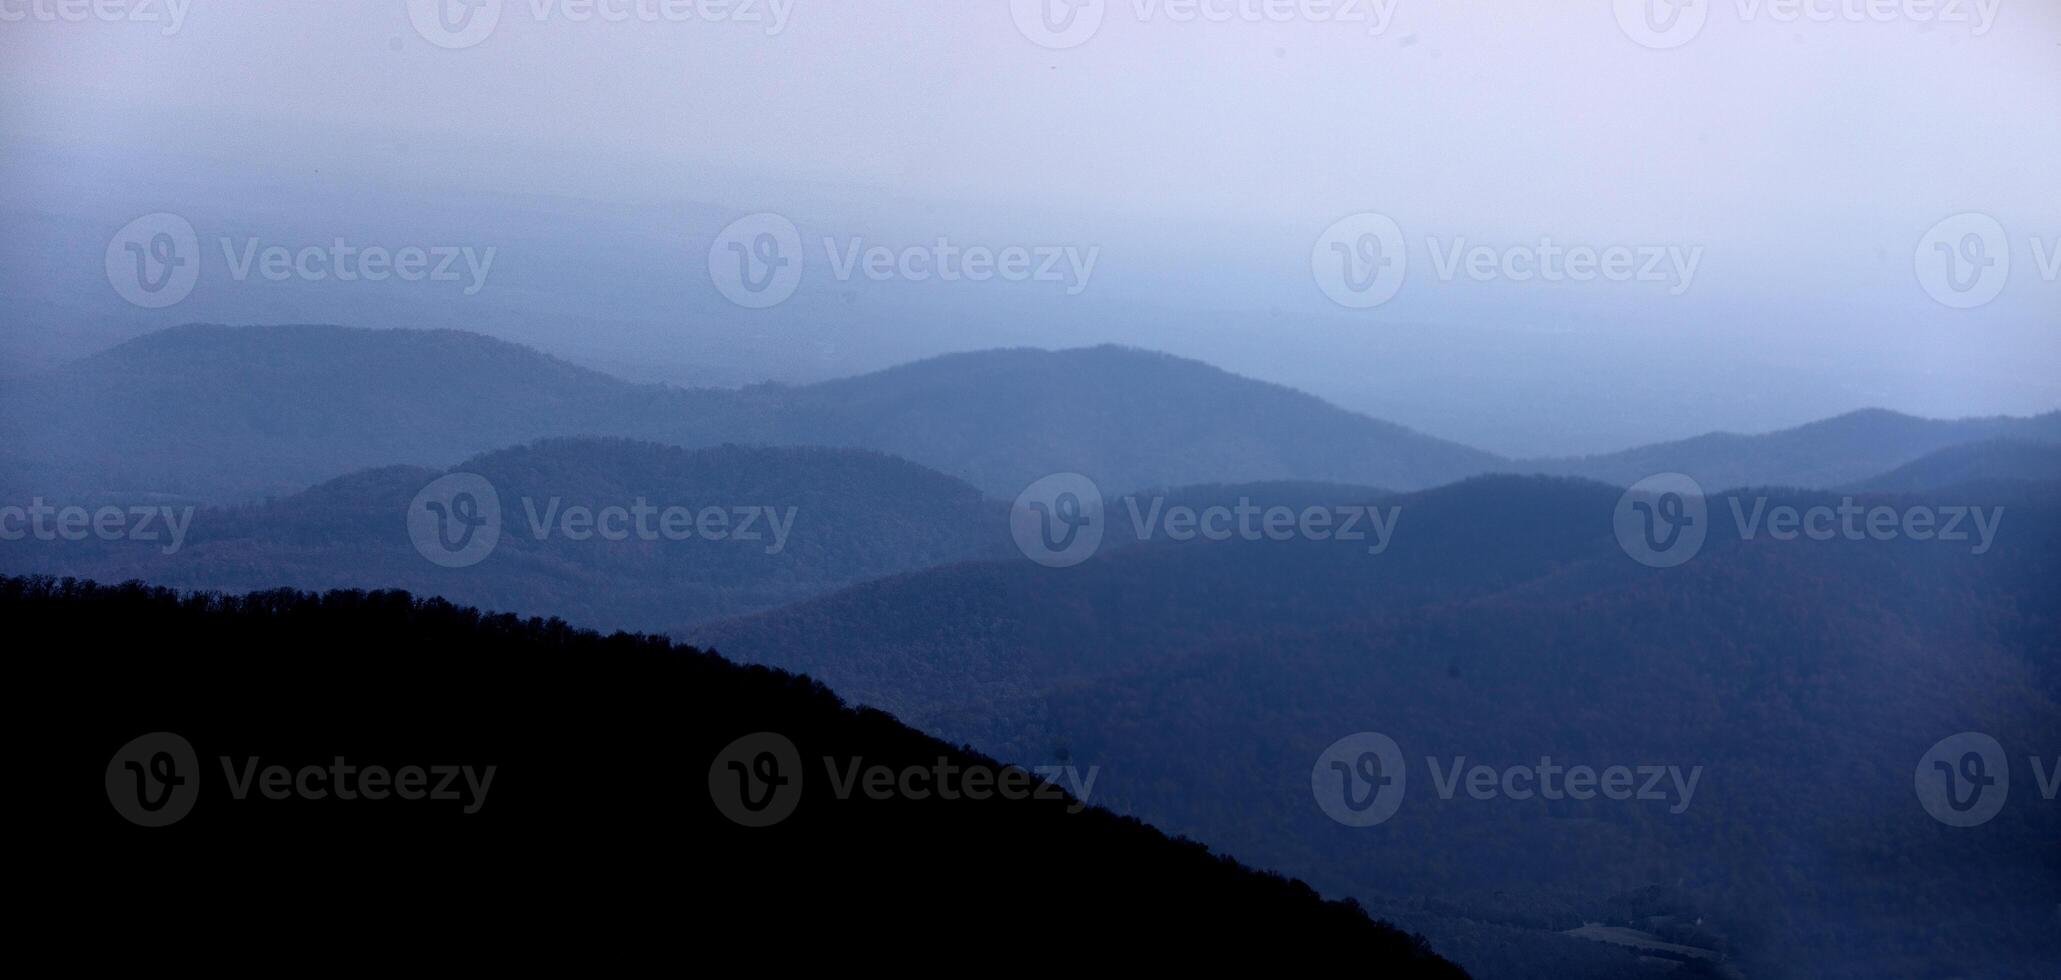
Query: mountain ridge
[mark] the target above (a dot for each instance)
(580, 736)
(1877, 441)
(222, 414)
(1506, 623)
(787, 523)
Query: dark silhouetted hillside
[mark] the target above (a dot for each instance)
(603, 831)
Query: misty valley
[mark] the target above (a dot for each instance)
(1434, 490)
(1541, 762)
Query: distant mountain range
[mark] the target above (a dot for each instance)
(1804, 679)
(225, 415)
(228, 413)
(725, 531)
(1501, 621)
(613, 803)
(1127, 418)
(234, 414)
(1972, 464)
(1832, 453)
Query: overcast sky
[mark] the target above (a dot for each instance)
(1806, 158)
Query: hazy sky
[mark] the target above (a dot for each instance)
(1479, 112)
(1799, 153)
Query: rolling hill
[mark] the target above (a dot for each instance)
(230, 415)
(1833, 453)
(1975, 463)
(234, 414)
(1802, 679)
(1129, 419)
(725, 531)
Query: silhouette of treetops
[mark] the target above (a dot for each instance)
(605, 828)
